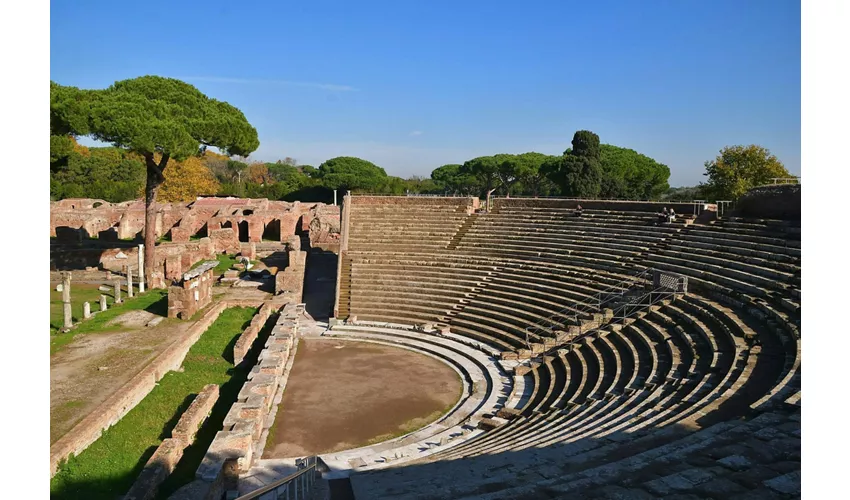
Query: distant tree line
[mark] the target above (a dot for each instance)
(587, 169)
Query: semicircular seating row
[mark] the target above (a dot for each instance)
(728, 347)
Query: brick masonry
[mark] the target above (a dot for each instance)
(188, 296)
(170, 451)
(130, 394)
(239, 444)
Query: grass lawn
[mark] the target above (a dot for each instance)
(154, 301)
(225, 262)
(108, 468)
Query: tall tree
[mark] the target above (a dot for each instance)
(485, 169)
(258, 173)
(579, 173)
(186, 180)
(452, 179)
(629, 174)
(149, 115)
(739, 168)
(348, 173)
(531, 174)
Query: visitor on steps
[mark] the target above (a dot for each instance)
(663, 215)
(578, 211)
(671, 216)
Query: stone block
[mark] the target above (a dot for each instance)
(225, 241)
(248, 250)
(196, 414)
(180, 235)
(226, 445)
(156, 470)
(788, 484)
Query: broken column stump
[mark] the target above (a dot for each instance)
(66, 301)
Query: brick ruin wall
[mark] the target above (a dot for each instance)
(188, 296)
(240, 443)
(289, 282)
(164, 460)
(181, 221)
(198, 230)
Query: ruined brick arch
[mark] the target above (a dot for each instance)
(271, 231)
(243, 231)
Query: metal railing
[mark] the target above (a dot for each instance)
(645, 291)
(784, 180)
(296, 486)
(405, 195)
(600, 198)
(588, 306)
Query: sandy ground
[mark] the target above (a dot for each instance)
(342, 395)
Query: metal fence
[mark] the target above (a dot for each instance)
(625, 299)
(784, 180)
(296, 486)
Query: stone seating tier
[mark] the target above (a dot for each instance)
(690, 361)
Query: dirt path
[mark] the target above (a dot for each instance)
(342, 395)
(93, 366)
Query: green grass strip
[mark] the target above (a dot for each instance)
(110, 465)
(154, 301)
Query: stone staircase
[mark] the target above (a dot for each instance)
(458, 236)
(345, 287)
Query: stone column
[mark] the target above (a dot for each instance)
(129, 281)
(118, 292)
(103, 302)
(86, 310)
(141, 269)
(66, 300)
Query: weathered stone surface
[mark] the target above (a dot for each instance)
(225, 241)
(226, 445)
(788, 484)
(735, 462)
(190, 296)
(156, 470)
(196, 414)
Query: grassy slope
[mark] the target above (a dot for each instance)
(108, 467)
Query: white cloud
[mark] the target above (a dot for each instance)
(258, 81)
(415, 133)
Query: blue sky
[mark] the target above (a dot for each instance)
(412, 85)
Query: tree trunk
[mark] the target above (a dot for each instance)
(154, 179)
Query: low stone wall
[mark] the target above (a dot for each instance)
(246, 340)
(465, 201)
(771, 202)
(239, 441)
(130, 394)
(617, 205)
(170, 451)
